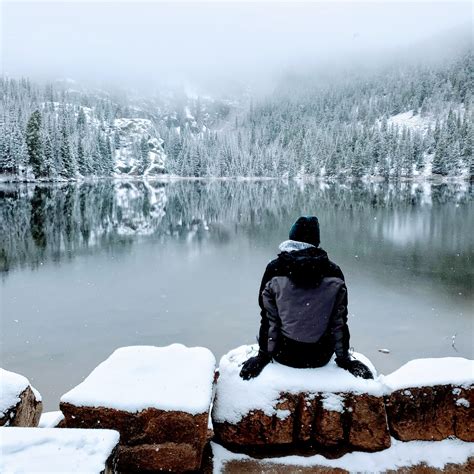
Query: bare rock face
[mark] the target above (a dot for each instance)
(258, 429)
(357, 422)
(174, 457)
(20, 403)
(367, 427)
(431, 413)
(464, 419)
(161, 411)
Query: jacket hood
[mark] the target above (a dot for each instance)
(293, 245)
(306, 264)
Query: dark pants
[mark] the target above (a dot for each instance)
(303, 355)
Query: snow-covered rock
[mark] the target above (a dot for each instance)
(51, 419)
(138, 377)
(48, 450)
(140, 151)
(20, 403)
(415, 456)
(432, 399)
(158, 398)
(286, 406)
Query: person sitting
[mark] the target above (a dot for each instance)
(303, 302)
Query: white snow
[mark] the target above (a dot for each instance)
(462, 402)
(171, 378)
(48, 450)
(434, 454)
(430, 372)
(236, 397)
(50, 419)
(333, 402)
(413, 122)
(11, 387)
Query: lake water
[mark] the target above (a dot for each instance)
(91, 267)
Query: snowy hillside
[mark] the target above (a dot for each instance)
(139, 150)
(412, 121)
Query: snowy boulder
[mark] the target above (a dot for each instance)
(325, 407)
(51, 419)
(20, 403)
(158, 398)
(28, 450)
(432, 399)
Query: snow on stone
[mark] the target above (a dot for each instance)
(333, 402)
(171, 378)
(462, 402)
(430, 372)
(435, 454)
(11, 387)
(50, 419)
(236, 397)
(48, 450)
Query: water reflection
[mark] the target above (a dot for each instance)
(424, 227)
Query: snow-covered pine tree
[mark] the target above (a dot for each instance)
(34, 144)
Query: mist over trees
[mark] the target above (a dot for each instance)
(399, 122)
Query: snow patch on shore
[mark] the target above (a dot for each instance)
(435, 454)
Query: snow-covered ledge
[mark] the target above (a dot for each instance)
(158, 398)
(328, 408)
(288, 407)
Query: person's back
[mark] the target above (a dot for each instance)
(303, 301)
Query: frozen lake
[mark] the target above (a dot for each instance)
(88, 268)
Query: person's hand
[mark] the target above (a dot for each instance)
(253, 366)
(355, 367)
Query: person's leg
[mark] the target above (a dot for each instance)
(303, 355)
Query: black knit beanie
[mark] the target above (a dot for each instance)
(306, 229)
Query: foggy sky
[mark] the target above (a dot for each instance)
(136, 43)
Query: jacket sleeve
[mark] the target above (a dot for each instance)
(264, 322)
(338, 325)
(274, 322)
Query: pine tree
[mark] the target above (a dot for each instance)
(66, 157)
(48, 157)
(439, 160)
(34, 144)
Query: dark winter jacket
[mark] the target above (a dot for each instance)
(303, 301)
